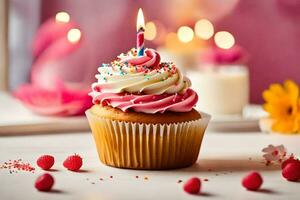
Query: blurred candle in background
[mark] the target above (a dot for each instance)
(222, 78)
(224, 89)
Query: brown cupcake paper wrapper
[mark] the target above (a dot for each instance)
(147, 146)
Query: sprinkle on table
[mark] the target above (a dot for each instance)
(205, 179)
(136, 176)
(146, 178)
(179, 181)
(17, 165)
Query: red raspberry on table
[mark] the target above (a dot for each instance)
(44, 182)
(73, 162)
(289, 160)
(192, 186)
(291, 171)
(252, 181)
(45, 162)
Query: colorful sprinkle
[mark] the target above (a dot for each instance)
(17, 165)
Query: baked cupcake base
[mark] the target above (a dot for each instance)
(147, 141)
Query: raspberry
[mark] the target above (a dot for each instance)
(289, 160)
(292, 171)
(45, 162)
(252, 181)
(44, 182)
(192, 186)
(73, 162)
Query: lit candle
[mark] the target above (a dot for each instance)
(140, 26)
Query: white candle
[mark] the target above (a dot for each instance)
(222, 90)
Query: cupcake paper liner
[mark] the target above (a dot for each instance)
(147, 146)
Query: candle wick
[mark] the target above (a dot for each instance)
(141, 29)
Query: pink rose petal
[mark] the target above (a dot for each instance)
(59, 102)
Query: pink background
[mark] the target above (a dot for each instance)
(269, 30)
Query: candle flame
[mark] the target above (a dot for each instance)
(224, 40)
(140, 23)
(62, 17)
(74, 35)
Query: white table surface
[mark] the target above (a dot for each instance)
(15, 119)
(227, 155)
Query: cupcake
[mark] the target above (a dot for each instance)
(143, 115)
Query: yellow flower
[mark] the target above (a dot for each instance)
(283, 106)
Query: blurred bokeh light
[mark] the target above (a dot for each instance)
(224, 39)
(204, 29)
(185, 34)
(151, 31)
(62, 17)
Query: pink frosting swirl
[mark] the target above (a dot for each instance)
(148, 103)
(143, 84)
(150, 59)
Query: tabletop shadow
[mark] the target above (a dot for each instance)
(84, 171)
(206, 194)
(266, 191)
(52, 170)
(217, 165)
(57, 191)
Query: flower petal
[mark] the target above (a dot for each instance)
(60, 102)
